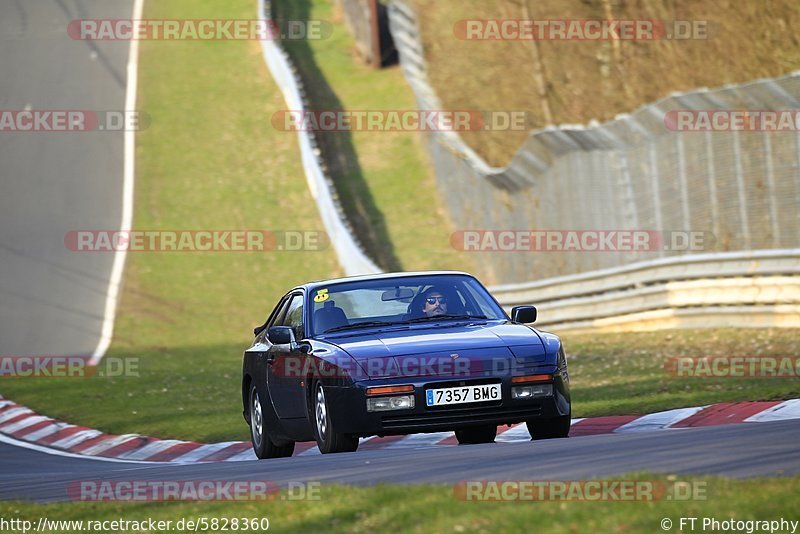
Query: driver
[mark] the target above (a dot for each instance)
(435, 303)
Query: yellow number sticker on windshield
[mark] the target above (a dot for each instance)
(321, 296)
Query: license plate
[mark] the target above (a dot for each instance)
(462, 394)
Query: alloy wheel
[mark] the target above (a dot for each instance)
(321, 411)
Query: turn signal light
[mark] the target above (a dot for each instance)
(531, 378)
(387, 390)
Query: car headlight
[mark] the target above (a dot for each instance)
(384, 404)
(532, 391)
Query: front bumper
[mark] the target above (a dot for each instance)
(348, 407)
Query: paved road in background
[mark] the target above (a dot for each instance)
(744, 450)
(51, 299)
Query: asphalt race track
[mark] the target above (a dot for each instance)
(742, 450)
(52, 300)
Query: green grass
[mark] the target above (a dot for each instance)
(192, 391)
(209, 160)
(620, 374)
(212, 160)
(383, 178)
(429, 508)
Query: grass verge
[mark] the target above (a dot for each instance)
(210, 159)
(192, 391)
(621, 374)
(383, 178)
(401, 509)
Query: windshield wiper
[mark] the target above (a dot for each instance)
(367, 324)
(361, 325)
(445, 316)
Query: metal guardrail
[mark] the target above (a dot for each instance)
(633, 173)
(349, 251)
(784, 316)
(629, 173)
(759, 288)
(639, 275)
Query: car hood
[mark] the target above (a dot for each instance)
(484, 346)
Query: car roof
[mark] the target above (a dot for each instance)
(381, 276)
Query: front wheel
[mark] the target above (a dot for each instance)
(476, 434)
(557, 427)
(263, 445)
(328, 440)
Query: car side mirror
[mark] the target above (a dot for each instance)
(523, 314)
(280, 335)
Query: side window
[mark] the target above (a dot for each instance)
(276, 318)
(294, 316)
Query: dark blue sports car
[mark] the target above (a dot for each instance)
(399, 354)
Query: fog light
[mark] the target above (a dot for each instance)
(383, 404)
(529, 392)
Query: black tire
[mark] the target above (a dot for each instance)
(558, 427)
(328, 440)
(476, 434)
(263, 445)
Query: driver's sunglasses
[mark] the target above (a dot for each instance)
(432, 300)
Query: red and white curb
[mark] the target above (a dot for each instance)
(24, 426)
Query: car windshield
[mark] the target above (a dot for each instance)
(403, 300)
